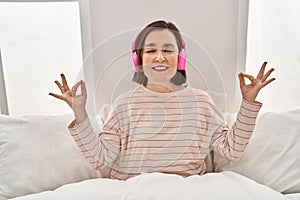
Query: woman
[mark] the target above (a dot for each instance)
(162, 125)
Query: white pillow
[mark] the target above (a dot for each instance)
(37, 153)
(272, 155)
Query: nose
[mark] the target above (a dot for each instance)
(160, 56)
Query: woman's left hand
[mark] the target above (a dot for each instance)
(250, 91)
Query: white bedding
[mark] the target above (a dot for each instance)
(38, 154)
(225, 185)
(293, 196)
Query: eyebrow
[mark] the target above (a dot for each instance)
(165, 45)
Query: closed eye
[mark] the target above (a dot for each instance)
(154, 50)
(150, 51)
(168, 50)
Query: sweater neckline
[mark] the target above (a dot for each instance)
(187, 87)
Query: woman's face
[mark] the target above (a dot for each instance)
(160, 56)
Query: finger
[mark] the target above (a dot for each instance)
(242, 80)
(60, 86)
(56, 96)
(268, 81)
(248, 76)
(264, 78)
(64, 81)
(74, 88)
(83, 88)
(262, 70)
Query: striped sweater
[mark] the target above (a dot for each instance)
(147, 131)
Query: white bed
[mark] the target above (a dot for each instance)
(40, 160)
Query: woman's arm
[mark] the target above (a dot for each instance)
(100, 150)
(231, 142)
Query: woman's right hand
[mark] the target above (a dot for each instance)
(75, 101)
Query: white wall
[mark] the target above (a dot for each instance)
(211, 28)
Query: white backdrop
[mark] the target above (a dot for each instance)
(218, 27)
(273, 35)
(38, 41)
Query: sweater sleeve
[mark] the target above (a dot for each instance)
(230, 142)
(101, 150)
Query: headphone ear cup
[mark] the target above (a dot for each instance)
(134, 56)
(135, 61)
(181, 60)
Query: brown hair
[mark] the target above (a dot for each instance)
(139, 76)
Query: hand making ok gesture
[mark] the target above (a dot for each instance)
(75, 101)
(250, 91)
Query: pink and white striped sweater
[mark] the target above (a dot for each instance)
(172, 132)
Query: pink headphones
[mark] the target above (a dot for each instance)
(181, 57)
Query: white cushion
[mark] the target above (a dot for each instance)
(272, 155)
(37, 153)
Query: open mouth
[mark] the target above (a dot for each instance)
(160, 68)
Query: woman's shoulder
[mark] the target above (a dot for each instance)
(126, 97)
(201, 94)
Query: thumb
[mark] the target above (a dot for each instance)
(83, 88)
(74, 88)
(241, 79)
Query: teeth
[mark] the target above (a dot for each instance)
(160, 68)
